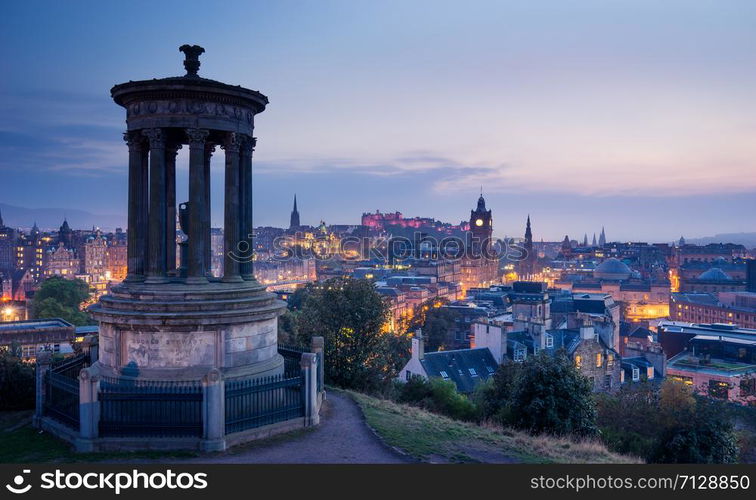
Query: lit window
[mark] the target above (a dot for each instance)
(578, 361)
(599, 360)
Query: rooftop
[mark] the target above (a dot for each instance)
(34, 324)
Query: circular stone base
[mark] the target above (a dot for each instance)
(179, 331)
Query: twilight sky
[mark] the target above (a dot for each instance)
(639, 116)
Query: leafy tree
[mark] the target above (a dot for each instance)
(16, 382)
(667, 424)
(439, 329)
(629, 419)
(551, 396)
(706, 436)
(61, 298)
(350, 315)
(493, 397)
(287, 328)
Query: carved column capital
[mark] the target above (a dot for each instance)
(248, 144)
(197, 137)
(173, 148)
(155, 136)
(134, 140)
(232, 142)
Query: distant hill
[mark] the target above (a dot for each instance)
(746, 239)
(52, 218)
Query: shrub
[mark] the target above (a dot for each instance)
(551, 396)
(439, 396)
(16, 383)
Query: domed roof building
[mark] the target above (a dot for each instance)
(714, 274)
(612, 269)
(712, 280)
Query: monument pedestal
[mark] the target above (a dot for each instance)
(179, 331)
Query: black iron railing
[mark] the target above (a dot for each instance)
(292, 356)
(252, 403)
(150, 408)
(70, 367)
(62, 398)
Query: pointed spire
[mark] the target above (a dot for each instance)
(585, 240)
(594, 240)
(1, 219)
(602, 237)
(294, 219)
(528, 232)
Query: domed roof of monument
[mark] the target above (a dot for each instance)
(123, 93)
(612, 269)
(714, 274)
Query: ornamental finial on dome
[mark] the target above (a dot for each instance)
(191, 58)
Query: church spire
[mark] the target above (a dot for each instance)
(602, 237)
(1, 219)
(294, 219)
(528, 232)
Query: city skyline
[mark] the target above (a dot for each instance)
(636, 117)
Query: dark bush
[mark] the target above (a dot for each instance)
(16, 382)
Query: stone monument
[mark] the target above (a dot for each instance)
(165, 322)
(184, 359)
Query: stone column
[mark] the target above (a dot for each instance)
(209, 150)
(156, 257)
(231, 210)
(136, 230)
(213, 412)
(144, 214)
(198, 210)
(89, 409)
(170, 199)
(44, 359)
(245, 213)
(309, 365)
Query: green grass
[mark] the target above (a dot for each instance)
(430, 437)
(21, 443)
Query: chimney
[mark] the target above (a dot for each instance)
(586, 330)
(418, 344)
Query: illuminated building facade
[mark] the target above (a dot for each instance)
(733, 308)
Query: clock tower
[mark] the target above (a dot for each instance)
(481, 228)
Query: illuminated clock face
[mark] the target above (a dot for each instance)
(479, 222)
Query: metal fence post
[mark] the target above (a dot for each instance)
(89, 409)
(213, 412)
(309, 365)
(44, 359)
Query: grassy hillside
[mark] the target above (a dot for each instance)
(435, 438)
